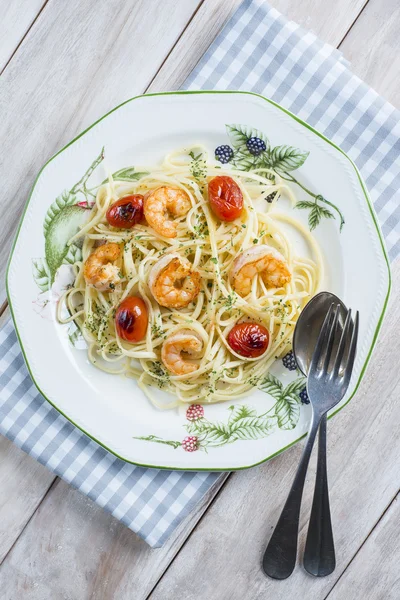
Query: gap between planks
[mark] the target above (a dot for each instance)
(24, 36)
(353, 23)
(362, 546)
(192, 18)
(49, 489)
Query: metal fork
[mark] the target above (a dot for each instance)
(328, 380)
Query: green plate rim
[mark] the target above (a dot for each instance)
(374, 219)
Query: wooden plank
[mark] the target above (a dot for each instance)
(223, 554)
(23, 484)
(16, 17)
(373, 46)
(328, 20)
(73, 549)
(374, 570)
(76, 68)
(200, 33)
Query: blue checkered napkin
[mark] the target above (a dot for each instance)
(149, 501)
(258, 50)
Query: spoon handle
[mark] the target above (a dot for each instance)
(280, 556)
(319, 554)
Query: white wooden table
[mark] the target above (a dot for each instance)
(64, 64)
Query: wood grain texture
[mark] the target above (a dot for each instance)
(23, 484)
(328, 20)
(73, 549)
(374, 572)
(373, 47)
(194, 41)
(364, 466)
(16, 17)
(77, 62)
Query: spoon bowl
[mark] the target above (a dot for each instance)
(309, 326)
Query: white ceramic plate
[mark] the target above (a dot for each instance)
(112, 409)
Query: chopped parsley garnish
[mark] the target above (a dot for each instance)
(160, 374)
(198, 166)
(230, 301)
(157, 330)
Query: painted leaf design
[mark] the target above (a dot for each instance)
(244, 162)
(266, 162)
(63, 200)
(81, 184)
(73, 255)
(198, 426)
(287, 410)
(217, 433)
(287, 158)
(191, 427)
(41, 274)
(239, 134)
(325, 212)
(62, 227)
(314, 217)
(128, 174)
(240, 412)
(272, 386)
(295, 387)
(252, 428)
(304, 204)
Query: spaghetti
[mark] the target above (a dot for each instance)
(211, 246)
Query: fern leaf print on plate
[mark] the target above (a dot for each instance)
(251, 149)
(243, 422)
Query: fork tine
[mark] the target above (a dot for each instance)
(346, 333)
(352, 354)
(325, 329)
(331, 338)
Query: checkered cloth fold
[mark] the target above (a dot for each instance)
(258, 50)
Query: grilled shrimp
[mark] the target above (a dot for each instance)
(99, 269)
(179, 348)
(161, 204)
(173, 282)
(263, 260)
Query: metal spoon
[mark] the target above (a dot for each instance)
(319, 555)
(280, 556)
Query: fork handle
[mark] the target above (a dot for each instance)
(319, 554)
(280, 556)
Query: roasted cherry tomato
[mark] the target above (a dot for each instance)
(131, 319)
(225, 197)
(248, 339)
(126, 211)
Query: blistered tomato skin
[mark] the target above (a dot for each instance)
(250, 340)
(131, 319)
(126, 212)
(225, 197)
